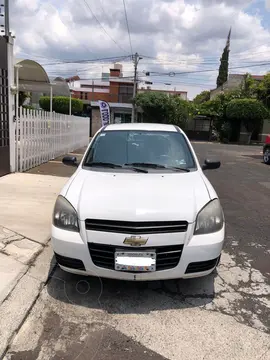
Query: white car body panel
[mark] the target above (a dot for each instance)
(131, 196)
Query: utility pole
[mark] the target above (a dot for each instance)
(136, 60)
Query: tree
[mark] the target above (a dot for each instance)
(263, 90)
(202, 97)
(250, 112)
(216, 109)
(60, 104)
(217, 106)
(248, 87)
(179, 111)
(154, 105)
(224, 63)
(161, 108)
(212, 108)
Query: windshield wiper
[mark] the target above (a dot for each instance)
(159, 166)
(150, 165)
(104, 164)
(114, 166)
(177, 168)
(131, 167)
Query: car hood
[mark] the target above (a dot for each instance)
(136, 196)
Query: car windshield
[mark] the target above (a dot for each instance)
(150, 149)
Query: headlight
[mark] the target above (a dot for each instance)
(65, 216)
(210, 219)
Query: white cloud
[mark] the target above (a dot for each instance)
(183, 35)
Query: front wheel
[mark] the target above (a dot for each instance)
(266, 156)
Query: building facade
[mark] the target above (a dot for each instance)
(114, 88)
(234, 82)
(181, 94)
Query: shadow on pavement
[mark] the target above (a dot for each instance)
(101, 342)
(254, 156)
(126, 297)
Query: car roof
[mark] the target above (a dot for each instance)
(142, 127)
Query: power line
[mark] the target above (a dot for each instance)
(71, 61)
(125, 10)
(196, 62)
(239, 55)
(86, 61)
(105, 31)
(202, 71)
(102, 8)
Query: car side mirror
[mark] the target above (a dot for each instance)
(70, 161)
(211, 164)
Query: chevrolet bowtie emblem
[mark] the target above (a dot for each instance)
(135, 240)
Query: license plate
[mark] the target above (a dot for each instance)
(135, 261)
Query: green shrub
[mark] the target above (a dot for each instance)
(29, 107)
(250, 112)
(60, 104)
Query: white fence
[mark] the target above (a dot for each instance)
(42, 136)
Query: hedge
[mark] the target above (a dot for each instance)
(60, 104)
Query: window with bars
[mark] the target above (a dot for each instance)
(125, 93)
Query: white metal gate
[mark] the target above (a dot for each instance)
(42, 136)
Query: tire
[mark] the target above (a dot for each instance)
(214, 271)
(266, 156)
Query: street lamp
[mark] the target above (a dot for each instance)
(16, 92)
(51, 97)
(70, 100)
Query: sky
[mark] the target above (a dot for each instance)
(177, 40)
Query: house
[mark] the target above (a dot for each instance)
(234, 82)
(113, 88)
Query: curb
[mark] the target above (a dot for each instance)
(19, 303)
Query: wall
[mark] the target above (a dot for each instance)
(92, 96)
(114, 91)
(232, 83)
(262, 135)
(265, 130)
(110, 94)
(95, 120)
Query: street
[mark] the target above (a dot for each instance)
(222, 316)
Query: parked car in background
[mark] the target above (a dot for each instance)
(266, 150)
(139, 207)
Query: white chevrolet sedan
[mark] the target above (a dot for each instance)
(138, 207)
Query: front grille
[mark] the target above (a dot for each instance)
(134, 227)
(201, 266)
(69, 262)
(167, 256)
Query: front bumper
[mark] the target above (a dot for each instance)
(201, 249)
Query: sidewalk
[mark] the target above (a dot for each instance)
(56, 168)
(26, 205)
